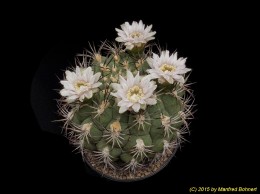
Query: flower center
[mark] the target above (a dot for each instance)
(165, 67)
(134, 94)
(79, 84)
(135, 34)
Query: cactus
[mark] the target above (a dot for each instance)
(126, 108)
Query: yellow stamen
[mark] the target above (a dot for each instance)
(135, 34)
(78, 84)
(134, 94)
(165, 67)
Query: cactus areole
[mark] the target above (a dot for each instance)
(125, 106)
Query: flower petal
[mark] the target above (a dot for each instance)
(96, 85)
(122, 109)
(89, 94)
(136, 107)
(151, 101)
(115, 86)
(65, 92)
(71, 99)
(134, 34)
(165, 58)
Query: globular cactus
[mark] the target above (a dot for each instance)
(125, 107)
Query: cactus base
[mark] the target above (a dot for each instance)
(121, 175)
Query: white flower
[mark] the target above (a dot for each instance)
(134, 92)
(80, 84)
(167, 67)
(134, 35)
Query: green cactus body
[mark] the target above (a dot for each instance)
(136, 136)
(129, 135)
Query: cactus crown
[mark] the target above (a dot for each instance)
(125, 107)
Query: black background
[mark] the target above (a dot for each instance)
(222, 149)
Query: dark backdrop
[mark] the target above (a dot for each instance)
(222, 150)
